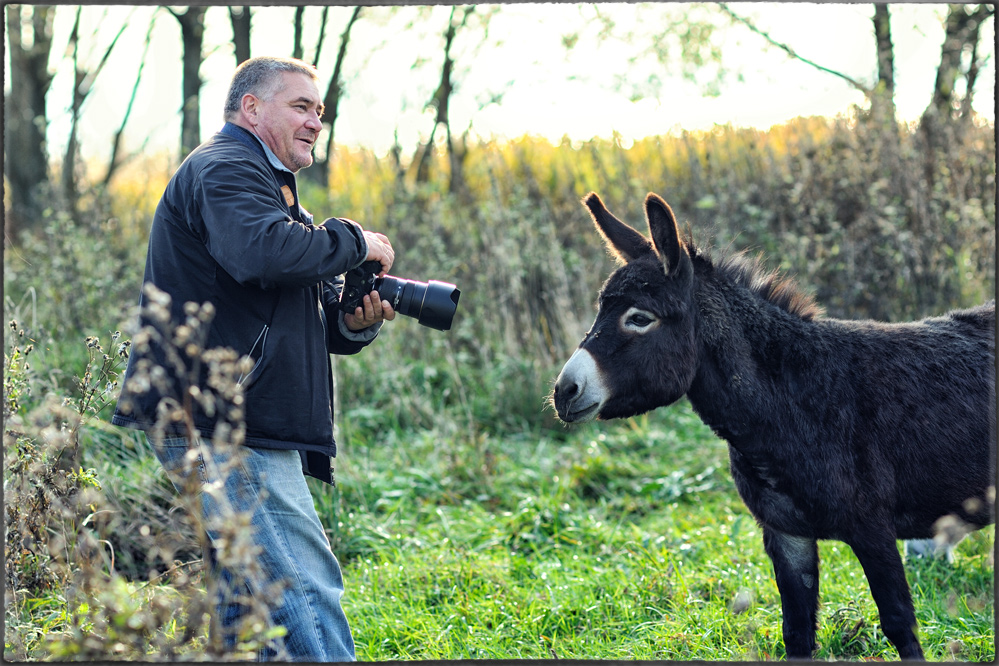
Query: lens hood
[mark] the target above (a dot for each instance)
(440, 301)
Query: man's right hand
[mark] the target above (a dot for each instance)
(380, 250)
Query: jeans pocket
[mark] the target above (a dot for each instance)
(180, 461)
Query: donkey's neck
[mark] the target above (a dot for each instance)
(748, 358)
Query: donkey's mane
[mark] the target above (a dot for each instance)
(772, 286)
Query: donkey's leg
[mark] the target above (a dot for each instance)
(878, 555)
(796, 567)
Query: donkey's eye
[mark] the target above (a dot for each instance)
(638, 320)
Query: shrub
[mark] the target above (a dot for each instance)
(59, 554)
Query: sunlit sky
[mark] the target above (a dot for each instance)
(547, 91)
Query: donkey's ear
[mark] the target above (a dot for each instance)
(665, 233)
(624, 242)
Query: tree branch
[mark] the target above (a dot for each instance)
(114, 162)
(322, 35)
(794, 54)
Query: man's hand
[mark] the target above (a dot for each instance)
(380, 250)
(370, 312)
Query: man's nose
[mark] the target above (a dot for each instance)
(313, 122)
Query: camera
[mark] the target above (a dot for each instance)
(431, 303)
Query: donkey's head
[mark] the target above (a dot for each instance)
(640, 352)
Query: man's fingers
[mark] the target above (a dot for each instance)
(380, 249)
(374, 312)
(371, 311)
(388, 313)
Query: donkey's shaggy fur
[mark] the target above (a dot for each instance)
(859, 431)
(772, 286)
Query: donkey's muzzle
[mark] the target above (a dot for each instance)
(579, 391)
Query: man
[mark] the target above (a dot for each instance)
(229, 231)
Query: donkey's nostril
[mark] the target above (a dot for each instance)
(567, 390)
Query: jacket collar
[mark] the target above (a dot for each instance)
(255, 143)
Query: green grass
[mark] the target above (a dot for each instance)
(624, 540)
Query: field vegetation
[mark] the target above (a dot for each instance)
(471, 524)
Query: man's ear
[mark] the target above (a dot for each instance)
(248, 106)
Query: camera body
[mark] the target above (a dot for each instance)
(431, 303)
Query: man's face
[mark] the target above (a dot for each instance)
(288, 121)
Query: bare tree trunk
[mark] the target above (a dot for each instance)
(422, 158)
(971, 79)
(962, 30)
(883, 97)
(192, 30)
(396, 153)
(320, 171)
(297, 50)
(443, 97)
(441, 101)
(69, 185)
(25, 123)
(322, 35)
(883, 112)
(241, 18)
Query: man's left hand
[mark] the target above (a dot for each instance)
(372, 311)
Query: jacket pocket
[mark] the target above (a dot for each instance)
(257, 354)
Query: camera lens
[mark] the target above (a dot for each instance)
(432, 303)
(390, 289)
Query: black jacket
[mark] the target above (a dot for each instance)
(230, 230)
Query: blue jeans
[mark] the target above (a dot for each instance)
(285, 565)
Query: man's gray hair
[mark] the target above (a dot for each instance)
(260, 77)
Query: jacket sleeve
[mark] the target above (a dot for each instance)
(340, 339)
(248, 230)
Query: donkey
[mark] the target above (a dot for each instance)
(858, 431)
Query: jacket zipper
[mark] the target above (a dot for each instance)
(261, 342)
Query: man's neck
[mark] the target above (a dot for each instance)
(240, 131)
